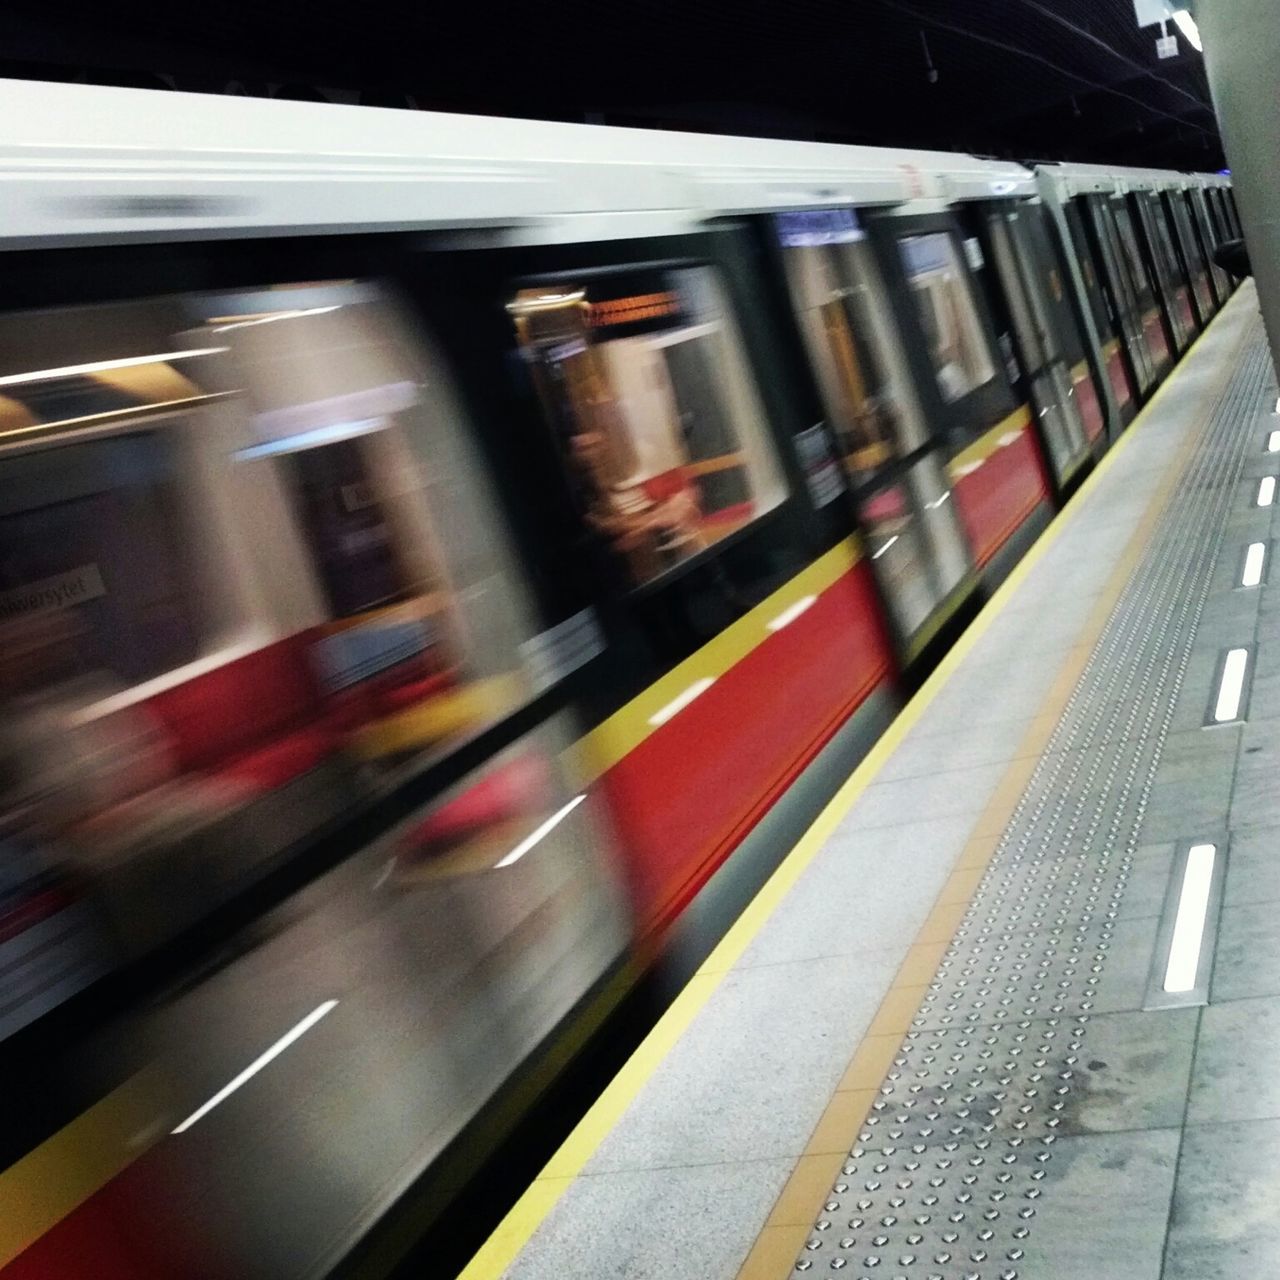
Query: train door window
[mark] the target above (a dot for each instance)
(1109, 332)
(917, 547)
(1204, 229)
(1142, 283)
(856, 355)
(644, 384)
(96, 549)
(1145, 287)
(1124, 291)
(1088, 273)
(944, 302)
(1188, 245)
(1166, 270)
(1231, 212)
(1038, 345)
(1220, 218)
(375, 531)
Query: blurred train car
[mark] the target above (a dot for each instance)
(440, 561)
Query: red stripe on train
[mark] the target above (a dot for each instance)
(686, 795)
(1000, 495)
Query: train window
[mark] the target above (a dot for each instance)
(644, 384)
(857, 357)
(96, 531)
(917, 548)
(1133, 256)
(378, 530)
(947, 312)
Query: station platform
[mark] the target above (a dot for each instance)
(1011, 1007)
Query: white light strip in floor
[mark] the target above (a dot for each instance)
(1266, 491)
(1188, 929)
(788, 616)
(879, 551)
(1273, 442)
(1254, 559)
(1231, 689)
(681, 700)
(541, 833)
(254, 1067)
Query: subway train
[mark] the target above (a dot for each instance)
(441, 559)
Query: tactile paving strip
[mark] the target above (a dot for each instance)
(958, 1149)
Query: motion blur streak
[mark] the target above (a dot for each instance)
(255, 1066)
(537, 836)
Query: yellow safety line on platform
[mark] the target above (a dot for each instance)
(528, 1213)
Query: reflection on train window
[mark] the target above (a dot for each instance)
(918, 550)
(375, 515)
(945, 304)
(1133, 256)
(839, 301)
(250, 576)
(95, 550)
(644, 384)
(1162, 245)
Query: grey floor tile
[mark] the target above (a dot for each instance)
(1257, 789)
(1148, 883)
(1235, 1076)
(1102, 1211)
(1122, 1071)
(750, 1078)
(1229, 616)
(654, 1224)
(866, 891)
(1199, 689)
(1247, 959)
(946, 752)
(1253, 867)
(1191, 804)
(1225, 1224)
(953, 793)
(1264, 686)
(976, 704)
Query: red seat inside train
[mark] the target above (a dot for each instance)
(264, 719)
(259, 720)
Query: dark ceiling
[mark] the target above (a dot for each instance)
(1027, 79)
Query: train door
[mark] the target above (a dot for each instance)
(1166, 276)
(1122, 291)
(1208, 242)
(942, 291)
(1222, 215)
(1020, 256)
(639, 395)
(1113, 362)
(1225, 198)
(1189, 253)
(1154, 325)
(895, 466)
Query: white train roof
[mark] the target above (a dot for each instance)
(1078, 179)
(84, 163)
